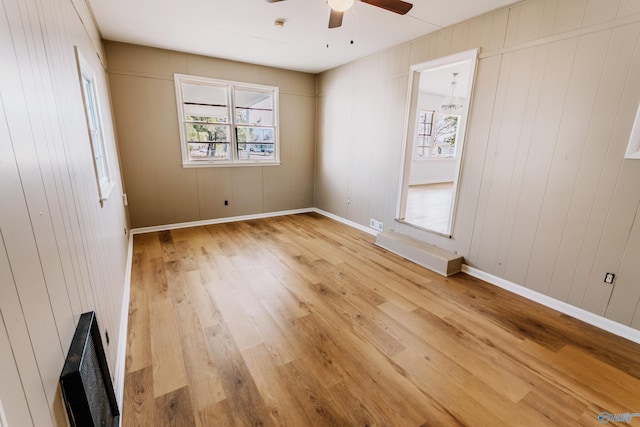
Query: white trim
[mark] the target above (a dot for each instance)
(218, 221)
(230, 88)
(633, 149)
(3, 418)
(347, 222)
(121, 356)
(85, 71)
(561, 306)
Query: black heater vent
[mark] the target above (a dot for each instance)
(85, 381)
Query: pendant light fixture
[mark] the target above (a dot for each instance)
(451, 104)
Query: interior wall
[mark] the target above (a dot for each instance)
(546, 198)
(160, 191)
(62, 253)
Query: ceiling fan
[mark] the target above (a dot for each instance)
(338, 7)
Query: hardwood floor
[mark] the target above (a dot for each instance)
(302, 321)
(429, 206)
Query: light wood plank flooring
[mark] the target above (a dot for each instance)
(302, 321)
(429, 206)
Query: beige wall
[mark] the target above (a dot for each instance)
(62, 254)
(546, 199)
(159, 189)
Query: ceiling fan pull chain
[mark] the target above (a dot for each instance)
(353, 21)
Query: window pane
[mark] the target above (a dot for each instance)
(254, 134)
(204, 94)
(206, 114)
(255, 151)
(444, 135)
(254, 107)
(207, 133)
(208, 151)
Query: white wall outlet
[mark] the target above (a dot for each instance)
(376, 224)
(609, 278)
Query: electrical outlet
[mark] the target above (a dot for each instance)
(609, 278)
(376, 224)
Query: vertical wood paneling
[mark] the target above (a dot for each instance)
(137, 151)
(628, 8)
(548, 17)
(548, 119)
(212, 193)
(508, 130)
(490, 158)
(475, 148)
(12, 395)
(569, 15)
(530, 24)
(626, 297)
(609, 217)
(545, 199)
(599, 11)
(586, 214)
(25, 208)
(525, 141)
(459, 37)
(334, 125)
(567, 156)
(19, 360)
(62, 252)
(247, 191)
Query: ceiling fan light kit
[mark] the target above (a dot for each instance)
(340, 5)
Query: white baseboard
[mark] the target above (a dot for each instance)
(561, 306)
(347, 222)
(219, 221)
(121, 355)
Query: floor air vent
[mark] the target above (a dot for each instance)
(85, 381)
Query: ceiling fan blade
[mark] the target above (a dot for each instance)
(335, 19)
(397, 6)
(273, 1)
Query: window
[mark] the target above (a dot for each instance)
(437, 134)
(94, 126)
(225, 123)
(425, 125)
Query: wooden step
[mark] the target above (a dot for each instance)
(436, 259)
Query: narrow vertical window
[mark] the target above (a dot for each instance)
(94, 127)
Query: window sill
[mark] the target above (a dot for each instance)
(435, 159)
(230, 164)
(105, 192)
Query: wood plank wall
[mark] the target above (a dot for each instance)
(62, 254)
(160, 190)
(546, 199)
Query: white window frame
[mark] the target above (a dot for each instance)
(96, 133)
(230, 86)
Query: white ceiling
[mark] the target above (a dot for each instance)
(244, 30)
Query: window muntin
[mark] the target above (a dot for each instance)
(437, 134)
(226, 123)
